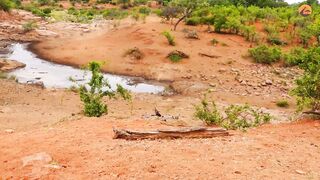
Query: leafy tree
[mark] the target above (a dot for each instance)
(265, 55)
(187, 7)
(308, 86)
(91, 94)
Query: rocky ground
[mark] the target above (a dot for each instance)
(44, 134)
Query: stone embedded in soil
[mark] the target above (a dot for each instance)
(46, 33)
(9, 131)
(9, 65)
(41, 158)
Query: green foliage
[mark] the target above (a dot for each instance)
(193, 21)
(243, 117)
(3, 75)
(249, 32)
(91, 94)
(124, 3)
(265, 54)
(294, 57)
(307, 88)
(46, 2)
(214, 42)
(6, 5)
(169, 37)
(208, 112)
(29, 26)
(175, 58)
(114, 14)
(275, 40)
(237, 117)
(185, 7)
(283, 103)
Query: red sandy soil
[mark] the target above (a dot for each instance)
(49, 121)
(34, 120)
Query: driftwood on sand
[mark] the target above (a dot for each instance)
(317, 113)
(209, 56)
(170, 133)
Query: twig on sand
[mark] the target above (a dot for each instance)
(210, 56)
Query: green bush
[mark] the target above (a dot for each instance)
(307, 88)
(208, 112)
(177, 56)
(115, 13)
(91, 94)
(237, 116)
(193, 21)
(6, 5)
(169, 37)
(265, 55)
(29, 26)
(275, 40)
(294, 57)
(283, 103)
(214, 42)
(243, 117)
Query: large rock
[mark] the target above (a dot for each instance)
(9, 65)
(46, 33)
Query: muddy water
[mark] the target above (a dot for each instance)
(58, 76)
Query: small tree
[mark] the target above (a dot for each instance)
(91, 94)
(187, 7)
(308, 86)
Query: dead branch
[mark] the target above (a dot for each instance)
(210, 56)
(312, 113)
(170, 133)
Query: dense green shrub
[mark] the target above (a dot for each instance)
(307, 88)
(283, 103)
(29, 26)
(237, 116)
(170, 38)
(243, 117)
(208, 112)
(114, 13)
(177, 56)
(294, 57)
(265, 54)
(275, 40)
(6, 5)
(91, 94)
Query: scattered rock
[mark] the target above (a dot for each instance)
(41, 158)
(300, 172)
(192, 34)
(134, 53)
(179, 53)
(36, 84)
(9, 131)
(268, 82)
(46, 33)
(222, 70)
(9, 65)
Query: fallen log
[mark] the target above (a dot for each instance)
(170, 133)
(209, 56)
(312, 113)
